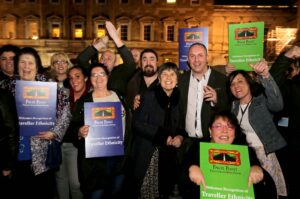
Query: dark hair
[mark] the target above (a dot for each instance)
(9, 48)
(198, 44)
(78, 68)
(255, 87)
(168, 66)
(34, 53)
(148, 50)
(100, 66)
(240, 137)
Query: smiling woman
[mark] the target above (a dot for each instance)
(157, 137)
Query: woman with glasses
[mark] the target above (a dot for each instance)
(224, 129)
(103, 176)
(254, 110)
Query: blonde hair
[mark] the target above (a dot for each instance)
(63, 56)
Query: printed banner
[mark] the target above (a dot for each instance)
(226, 170)
(245, 44)
(188, 36)
(105, 137)
(36, 108)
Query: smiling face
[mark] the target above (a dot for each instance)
(149, 64)
(7, 63)
(168, 80)
(60, 64)
(197, 58)
(77, 80)
(27, 67)
(99, 78)
(222, 131)
(241, 89)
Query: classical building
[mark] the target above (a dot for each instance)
(70, 25)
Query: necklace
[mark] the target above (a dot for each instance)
(244, 110)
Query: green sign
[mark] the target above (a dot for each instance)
(226, 171)
(245, 44)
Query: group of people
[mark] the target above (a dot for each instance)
(165, 114)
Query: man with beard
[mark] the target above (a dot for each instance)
(119, 74)
(143, 79)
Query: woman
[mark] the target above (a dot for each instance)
(67, 181)
(104, 176)
(254, 112)
(157, 136)
(224, 129)
(33, 178)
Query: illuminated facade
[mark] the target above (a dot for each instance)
(70, 25)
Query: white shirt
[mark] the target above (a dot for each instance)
(194, 105)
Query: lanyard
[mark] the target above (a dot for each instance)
(244, 111)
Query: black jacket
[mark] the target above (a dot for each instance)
(9, 133)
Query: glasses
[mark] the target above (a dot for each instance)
(59, 62)
(101, 74)
(220, 127)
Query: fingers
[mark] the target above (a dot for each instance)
(136, 102)
(210, 94)
(83, 131)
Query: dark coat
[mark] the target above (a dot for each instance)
(93, 172)
(9, 134)
(153, 122)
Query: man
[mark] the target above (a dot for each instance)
(9, 140)
(144, 79)
(202, 92)
(7, 54)
(119, 74)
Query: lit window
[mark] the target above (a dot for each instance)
(33, 28)
(55, 32)
(124, 32)
(171, 1)
(10, 27)
(100, 30)
(147, 32)
(78, 32)
(170, 33)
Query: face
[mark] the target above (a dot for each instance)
(108, 58)
(197, 59)
(149, 64)
(136, 55)
(240, 89)
(168, 80)
(222, 132)
(60, 64)
(99, 78)
(27, 67)
(77, 80)
(7, 62)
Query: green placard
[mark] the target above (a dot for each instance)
(245, 44)
(226, 171)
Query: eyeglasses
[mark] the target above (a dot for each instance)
(59, 62)
(101, 74)
(220, 127)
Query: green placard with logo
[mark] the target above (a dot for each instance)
(226, 171)
(246, 44)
